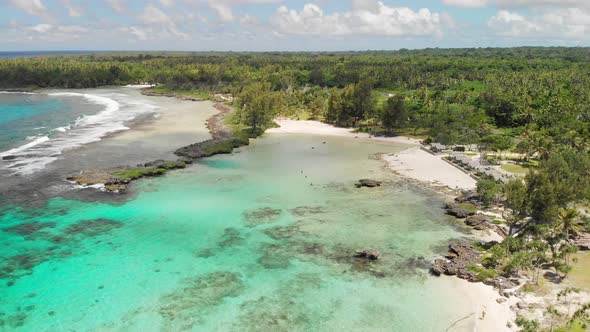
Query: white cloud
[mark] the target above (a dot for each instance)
(224, 8)
(510, 24)
(541, 3)
(73, 10)
(41, 28)
(73, 29)
(118, 6)
(152, 15)
(31, 7)
(466, 3)
(367, 17)
(507, 4)
(568, 23)
(158, 23)
(167, 3)
(138, 32)
(249, 20)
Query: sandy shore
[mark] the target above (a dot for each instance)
(412, 163)
(422, 166)
(485, 314)
(323, 129)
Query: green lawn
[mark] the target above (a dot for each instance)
(515, 169)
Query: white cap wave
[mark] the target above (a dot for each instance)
(37, 154)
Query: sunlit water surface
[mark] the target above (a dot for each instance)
(261, 240)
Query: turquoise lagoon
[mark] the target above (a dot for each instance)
(260, 240)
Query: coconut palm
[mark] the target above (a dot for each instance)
(568, 222)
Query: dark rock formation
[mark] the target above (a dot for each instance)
(368, 254)
(457, 211)
(164, 164)
(261, 216)
(468, 196)
(461, 254)
(478, 221)
(93, 227)
(223, 141)
(367, 183)
(582, 241)
(29, 228)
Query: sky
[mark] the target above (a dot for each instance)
(289, 25)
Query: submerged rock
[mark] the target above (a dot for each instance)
(93, 227)
(29, 228)
(368, 254)
(195, 297)
(367, 183)
(302, 211)
(261, 216)
(231, 237)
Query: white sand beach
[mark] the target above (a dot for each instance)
(486, 314)
(412, 163)
(320, 128)
(423, 166)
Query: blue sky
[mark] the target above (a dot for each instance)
(291, 25)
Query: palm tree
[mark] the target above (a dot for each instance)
(568, 222)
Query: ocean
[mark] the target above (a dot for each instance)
(259, 240)
(36, 128)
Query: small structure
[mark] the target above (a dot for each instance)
(438, 148)
(459, 148)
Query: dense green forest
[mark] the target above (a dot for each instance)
(534, 102)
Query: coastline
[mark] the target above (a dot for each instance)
(487, 314)
(151, 136)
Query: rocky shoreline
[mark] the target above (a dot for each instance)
(117, 179)
(151, 93)
(464, 261)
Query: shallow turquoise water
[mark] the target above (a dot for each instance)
(257, 241)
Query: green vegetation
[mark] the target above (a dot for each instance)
(198, 94)
(224, 146)
(532, 101)
(482, 273)
(468, 207)
(514, 168)
(488, 191)
(136, 173)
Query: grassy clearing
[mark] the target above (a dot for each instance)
(515, 169)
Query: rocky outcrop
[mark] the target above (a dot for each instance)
(369, 254)
(468, 196)
(461, 254)
(100, 177)
(152, 93)
(117, 179)
(457, 211)
(163, 164)
(582, 241)
(223, 139)
(367, 183)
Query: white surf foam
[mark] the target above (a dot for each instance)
(37, 154)
(17, 92)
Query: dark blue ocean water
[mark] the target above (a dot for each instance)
(23, 117)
